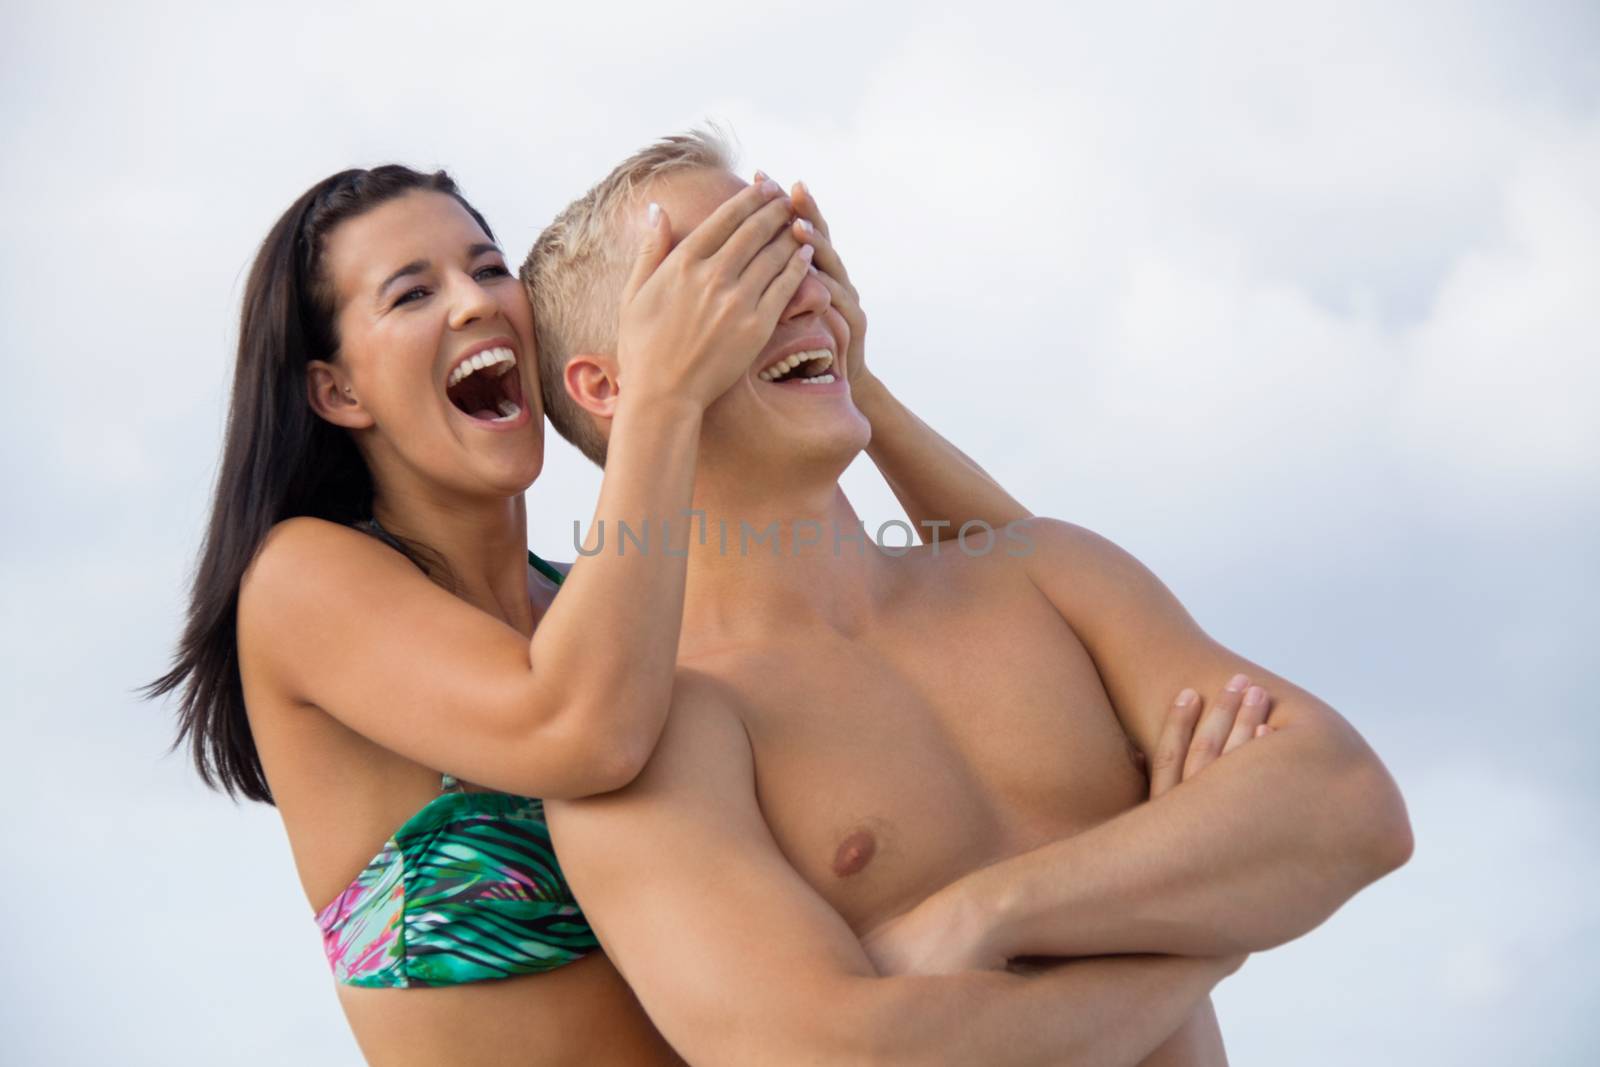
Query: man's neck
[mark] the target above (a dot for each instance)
(773, 561)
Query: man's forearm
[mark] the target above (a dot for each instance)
(1110, 1011)
(1258, 850)
(933, 479)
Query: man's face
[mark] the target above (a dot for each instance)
(766, 425)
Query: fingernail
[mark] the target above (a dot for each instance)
(1263, 730)
(771, 188)
(807, 251)
(1186, 698)
(1254, 695)
(805, 224)
(1237, 683)
(760, 177)
(800, 187)
(654, 213)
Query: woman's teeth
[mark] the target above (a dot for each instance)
(821, 356)
(509, 409)
(501, 359)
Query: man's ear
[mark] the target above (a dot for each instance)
(592, 381)
(331, 395)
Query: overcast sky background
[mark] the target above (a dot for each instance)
(1297, 302)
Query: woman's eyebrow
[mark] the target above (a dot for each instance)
(416, 266)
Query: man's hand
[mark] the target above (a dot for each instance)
(1191, 742)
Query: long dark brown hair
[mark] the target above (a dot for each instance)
(280, 460)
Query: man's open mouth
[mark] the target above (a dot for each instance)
(810, 368)
(483, 387)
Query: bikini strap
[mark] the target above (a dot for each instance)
(370, 525)
(544, 568)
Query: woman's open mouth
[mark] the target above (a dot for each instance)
(483, 388)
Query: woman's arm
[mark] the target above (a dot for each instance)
(688, 328)
(939, 485)
(347, 625)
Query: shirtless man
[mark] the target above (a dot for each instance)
(934, 749)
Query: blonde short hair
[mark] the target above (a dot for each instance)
(577, 268)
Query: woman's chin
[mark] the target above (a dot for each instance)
(516, 453)
(518, 477)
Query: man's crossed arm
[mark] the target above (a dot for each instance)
(738, 960)
(1260, 849)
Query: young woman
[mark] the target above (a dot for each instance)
(368, 632)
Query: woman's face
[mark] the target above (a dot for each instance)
(421, 295)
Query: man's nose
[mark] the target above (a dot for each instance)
(812, 298)
(469, 302)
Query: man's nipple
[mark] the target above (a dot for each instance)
(854, 853)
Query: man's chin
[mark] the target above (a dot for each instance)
(838, 446)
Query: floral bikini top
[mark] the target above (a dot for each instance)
(468, 889)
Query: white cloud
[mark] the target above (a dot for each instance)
(1505, 374)
(1442, 962)
(1298, 302)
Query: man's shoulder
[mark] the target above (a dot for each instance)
(1041, 532)
(1081, 573)
(703, 726)
(698, 692)
(703, 752)
(1096, 584)
(1019, 548)
(1053, 547)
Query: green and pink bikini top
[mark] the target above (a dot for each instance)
(468, 889)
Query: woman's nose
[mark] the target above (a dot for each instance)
(470, 302)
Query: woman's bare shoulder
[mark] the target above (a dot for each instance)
(302, 561)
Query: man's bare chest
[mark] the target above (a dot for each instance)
(887, 767)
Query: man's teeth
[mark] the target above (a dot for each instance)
(501, 358)
(789, 363)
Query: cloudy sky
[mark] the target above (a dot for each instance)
(1296, 302)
